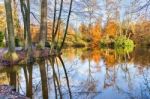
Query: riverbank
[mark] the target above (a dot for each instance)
(22, 54)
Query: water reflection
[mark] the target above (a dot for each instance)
(83, 74)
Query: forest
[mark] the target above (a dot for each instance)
(47, 31)
(59, 24)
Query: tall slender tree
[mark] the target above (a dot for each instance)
(10, 28)
(67, 25)
(25, 10)
(43, 25)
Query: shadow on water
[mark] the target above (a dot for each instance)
(83, 74)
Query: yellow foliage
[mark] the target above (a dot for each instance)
(111, 28)
(96, 32)
(96, 55)
(2, 18)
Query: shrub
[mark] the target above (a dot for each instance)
(125, 50)
(123, 45)
(123, 41)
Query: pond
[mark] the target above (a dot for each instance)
(84, 74)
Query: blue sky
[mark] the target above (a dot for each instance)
(124, 6)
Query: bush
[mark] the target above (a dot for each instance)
(1, 39)
(125, 50)
(123, 45)
(123, 41)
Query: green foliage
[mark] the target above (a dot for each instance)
(106, 41)
(123, 45)
(122, 41)
(103, 45)
(1, 39)
(18, 42)
(124, 50)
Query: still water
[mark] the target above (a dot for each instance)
(84, 74)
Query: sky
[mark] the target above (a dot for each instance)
(77, 19)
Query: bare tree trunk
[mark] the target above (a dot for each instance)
(25, 10)
(43, 26)
(59, 17)
(10, 27)
(67, 24)
(22, 6)
(29, 40)
(55, 29)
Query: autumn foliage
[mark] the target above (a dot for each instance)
(111, 29)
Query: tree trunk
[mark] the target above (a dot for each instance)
(9, 19)
(43, 26)
(67, 24)
(29, 40)
(25, 10)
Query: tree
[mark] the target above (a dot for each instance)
(90, 13)
(96, 32)
(43, 25)
(10, 28)
(111, 29)
(67, 24)
(56, 24)
(25, 10)
(83, 30)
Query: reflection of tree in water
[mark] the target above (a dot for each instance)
(45, 83)
(93, 54)
(114, 62)
(56, 78)
(43, 79)
(52, 76)
(109, 77)
(123, 67)
(142, 91)
(141, 56)
(32, 89)
(12, 75)
(145, 88)
(110, 61)
(88, 88)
